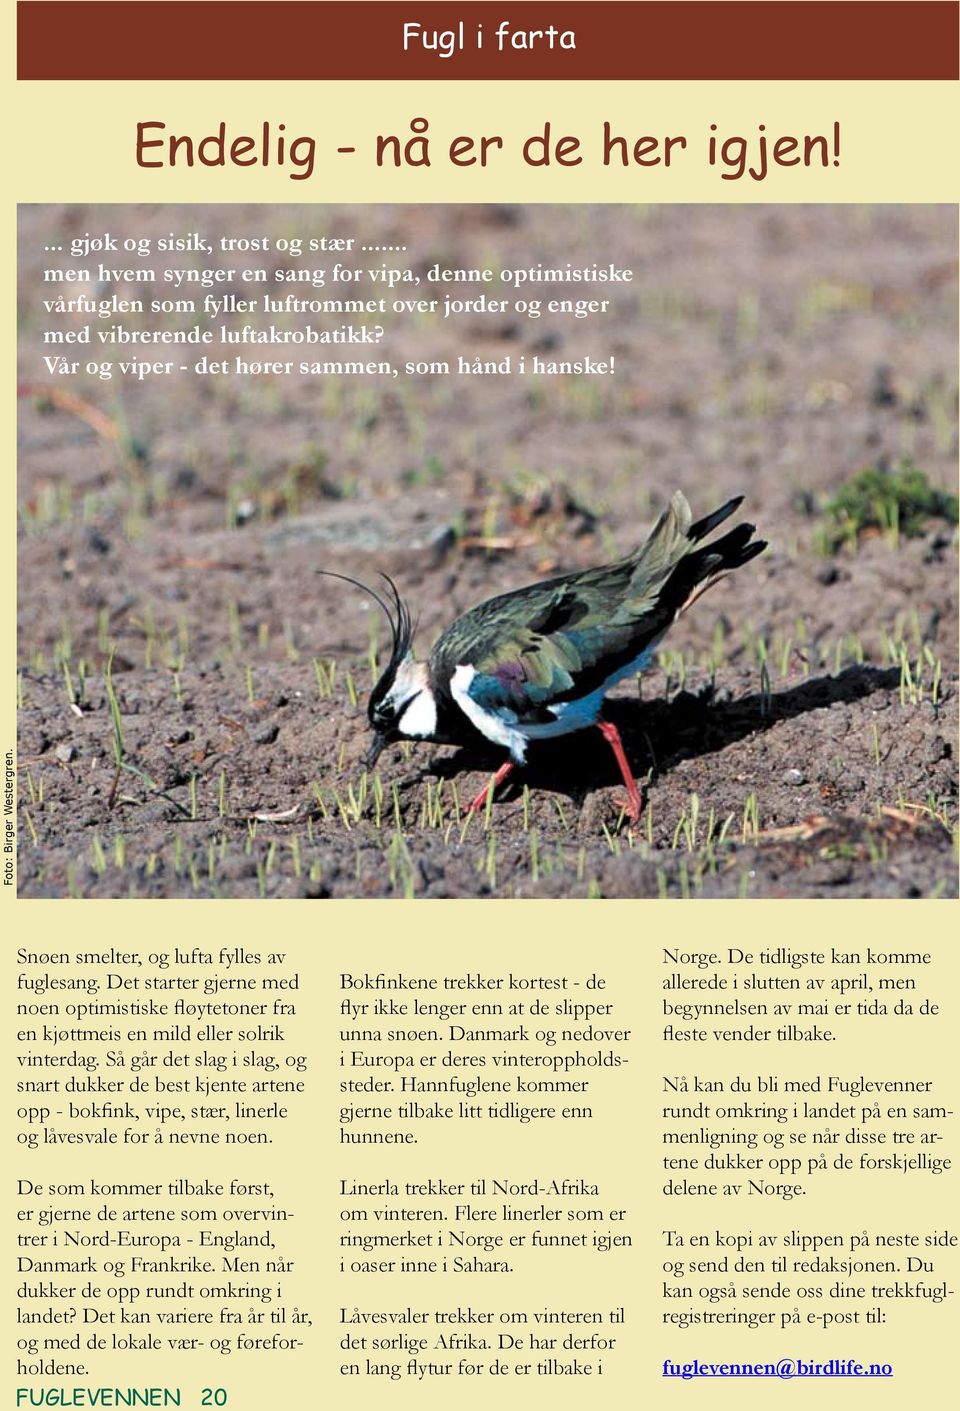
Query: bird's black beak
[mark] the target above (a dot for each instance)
(373, 753)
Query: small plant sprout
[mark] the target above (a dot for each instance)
(233, 626)
(119, 748)
(400, 868)
(290, 646)
(718, 650)
(490, 862)
(325, 672)
(342, 809)
(936, 668)
(357, 798)
(149, 626)
(784, 648)
(431, 809)
(99, 857)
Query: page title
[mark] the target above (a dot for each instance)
(734, 156)
(445, 43)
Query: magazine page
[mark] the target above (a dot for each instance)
(490, 471)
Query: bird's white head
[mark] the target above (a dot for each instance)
(402, 704)
(410, 703)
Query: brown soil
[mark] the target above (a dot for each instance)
(772, 351)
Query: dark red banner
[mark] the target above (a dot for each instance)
(274, 39)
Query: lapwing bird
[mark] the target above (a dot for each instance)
(536, 664)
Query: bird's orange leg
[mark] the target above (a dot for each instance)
(481, 799)
(612, 736)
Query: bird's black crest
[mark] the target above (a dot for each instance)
(401, 630)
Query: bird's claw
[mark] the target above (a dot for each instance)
(491, 785)
(631, 809)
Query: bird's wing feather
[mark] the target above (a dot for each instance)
(560, 640)
(546, 644)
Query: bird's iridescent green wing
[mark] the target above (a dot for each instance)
(544, 644)
(561, 640)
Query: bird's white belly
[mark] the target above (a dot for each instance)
(513, 734)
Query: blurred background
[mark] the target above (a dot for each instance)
(184, 676)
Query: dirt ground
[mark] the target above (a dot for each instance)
(798, 735)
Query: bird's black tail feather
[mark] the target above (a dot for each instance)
(705, 526)
(700, 569)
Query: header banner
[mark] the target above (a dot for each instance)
(276, 40)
